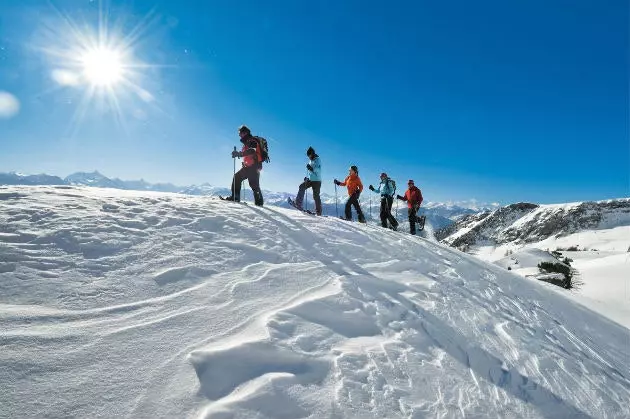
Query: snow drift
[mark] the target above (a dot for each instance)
(143, 304)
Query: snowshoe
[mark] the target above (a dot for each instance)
(231, 199)
(294, 205)
(421, 220)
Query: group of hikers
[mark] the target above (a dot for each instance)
(254, 152)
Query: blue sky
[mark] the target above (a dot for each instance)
(494, 100)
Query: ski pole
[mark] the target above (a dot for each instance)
(234, 175)
(370, 205)
(306, 200)
(336, 205)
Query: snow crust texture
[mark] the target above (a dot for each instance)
(144, 304)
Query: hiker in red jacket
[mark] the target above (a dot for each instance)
(252, 165)
(413, 196)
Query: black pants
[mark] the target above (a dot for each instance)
(386, 212)
(413, 215)
(354, 201)
(252, 175)
(317, 186)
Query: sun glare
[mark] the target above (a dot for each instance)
(101, 62)
(102, 67)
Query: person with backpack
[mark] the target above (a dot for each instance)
(355, 187)
(387, 189)
(413, 196)
(254, 153)
(313, 180)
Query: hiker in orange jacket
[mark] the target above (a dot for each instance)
(355, 187)
(413, 196)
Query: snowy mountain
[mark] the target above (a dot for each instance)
(526, 223)
(13, 178)
(141, 304)
(452, 210)
(94, 179)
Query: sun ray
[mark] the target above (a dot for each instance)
(102, 61)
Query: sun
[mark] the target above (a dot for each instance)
(102, 67)
(98, 61)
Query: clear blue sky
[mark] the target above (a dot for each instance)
(494, 100)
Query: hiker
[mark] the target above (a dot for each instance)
(252, 165)
(387, 189)
(355, 187)
(313, 180)
(413, 196)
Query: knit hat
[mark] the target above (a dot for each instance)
(354, 169)
(383, 174)
(243, 128)
(310, 151)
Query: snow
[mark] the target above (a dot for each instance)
(526, 259)
(121, 303)
(602, 264)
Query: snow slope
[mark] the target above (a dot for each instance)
(142, 304)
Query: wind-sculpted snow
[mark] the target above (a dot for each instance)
(142, 304)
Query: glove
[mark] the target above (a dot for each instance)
(371, 187)
(237, 154)
(337, 182)
(400, 197)
(305, 179)
(309, 167)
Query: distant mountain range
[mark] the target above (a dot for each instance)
(439, 214)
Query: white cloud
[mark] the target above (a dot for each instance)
(9, 105)
(65, 77)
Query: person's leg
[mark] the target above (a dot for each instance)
(357, 208)
(317, 187)
(384, 212)
(254, 182)
(392, 220)
(236, 184)
(300, 195)
(412, 220)
(349, 209)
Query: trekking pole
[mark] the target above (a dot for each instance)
(370, 205)
(234, 175)
(306, 200)
(336, 206)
